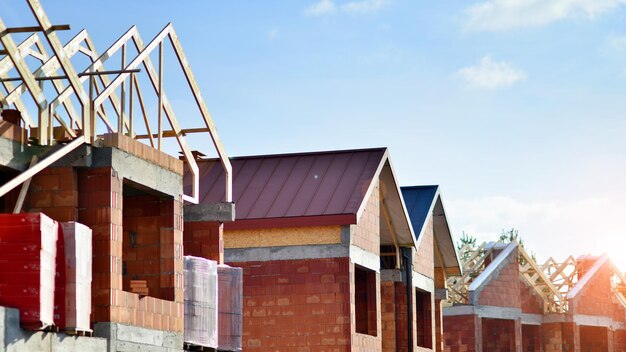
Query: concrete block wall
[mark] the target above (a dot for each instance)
(296, 305)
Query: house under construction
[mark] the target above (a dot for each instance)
(91, 235)
(505, 301)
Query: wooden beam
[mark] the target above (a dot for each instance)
(20, 199)
(171, 133)
(56, 27)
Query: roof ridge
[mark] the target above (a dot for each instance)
(281, 155)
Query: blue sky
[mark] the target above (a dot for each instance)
(515, 107)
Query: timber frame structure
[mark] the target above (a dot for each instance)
(92, 88)
(555, 282)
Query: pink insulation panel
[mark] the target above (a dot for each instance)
(27, 267)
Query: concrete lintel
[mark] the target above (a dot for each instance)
(221, 212)
(423, 282)
(285, 253)
(14, 155)
(532, 319)
(556, 318)
(391, 275)
(441, 293)
(364, 258)
(139, 170)
(484, 312)
(602, 321)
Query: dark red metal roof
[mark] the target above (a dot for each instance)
(317, 184)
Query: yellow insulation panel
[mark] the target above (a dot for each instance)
(288, 236)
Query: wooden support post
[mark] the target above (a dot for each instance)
(120, 120)
(20, 199)
(160, 112)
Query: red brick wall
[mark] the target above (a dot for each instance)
(54, 192)
(424, 261)
(498, 335)
(100, 208)
(367, 233)
(570, 337)
(551, 337)
(148, 222)
(530, 301)
(204, 240)
(619, 340)
(597, 298)
(503, 290)
(459, 333)
(593, 339)
(531, 338)
(296, 305)
(388, 315)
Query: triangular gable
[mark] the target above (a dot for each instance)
(424, 204)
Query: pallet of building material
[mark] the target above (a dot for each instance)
(139, 287)
(27, 267)
(59, 283)
(77, 240)
(230, 307)
(200, 278)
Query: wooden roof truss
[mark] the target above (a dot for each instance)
(95, 86)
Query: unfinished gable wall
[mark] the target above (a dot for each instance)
(366, 233)
(503, 290)
(531, 303)
(423, 261)
(597, 297)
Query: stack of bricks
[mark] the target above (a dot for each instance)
(139, 287)
(296, 305)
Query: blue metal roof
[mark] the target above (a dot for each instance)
(419, 200)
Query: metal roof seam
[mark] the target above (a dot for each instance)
(343, 174)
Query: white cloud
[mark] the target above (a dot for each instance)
(549, 228)
(489, 74)
(363, 6)
(328, 7)
(321, 8)
(498, 15)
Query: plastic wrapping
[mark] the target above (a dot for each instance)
(230, 291)
(27, 267)
(200, 301)
(77, 241)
